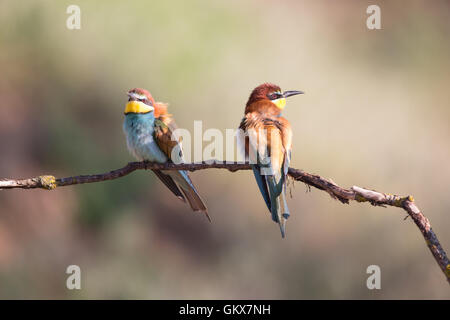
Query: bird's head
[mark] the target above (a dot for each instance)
(139, 101)
(271, 92)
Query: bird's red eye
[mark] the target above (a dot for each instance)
(274, 96)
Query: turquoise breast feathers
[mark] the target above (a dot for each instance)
(139, 130)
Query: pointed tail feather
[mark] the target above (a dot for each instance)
(262, 184)
(196, 202)
(273, 190)
(279, 208)
(183, 180)
(284, 210)
(168, 181)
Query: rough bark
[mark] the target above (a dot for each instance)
(355, 193)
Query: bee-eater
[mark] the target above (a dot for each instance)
(268, 141)
(149, 130)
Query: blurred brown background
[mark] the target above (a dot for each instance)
(375, 114)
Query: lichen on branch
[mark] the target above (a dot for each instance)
(344, 195)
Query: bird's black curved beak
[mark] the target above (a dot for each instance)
(291, 93)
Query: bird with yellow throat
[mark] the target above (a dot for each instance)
(267, 140)
(150, 133)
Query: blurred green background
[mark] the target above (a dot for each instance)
(375, 114)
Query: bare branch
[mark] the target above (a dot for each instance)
(336, 192)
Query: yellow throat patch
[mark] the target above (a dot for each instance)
(280, 103)
(137, 107)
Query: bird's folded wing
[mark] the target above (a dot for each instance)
(170, 144)
(163, 138)
(275, 146)
(167, 140)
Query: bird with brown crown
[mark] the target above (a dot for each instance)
(151, 136)
(267, 140)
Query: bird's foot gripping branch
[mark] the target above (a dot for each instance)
(354, 193)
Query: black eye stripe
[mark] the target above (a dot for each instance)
(146, 101)
(275, 95)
